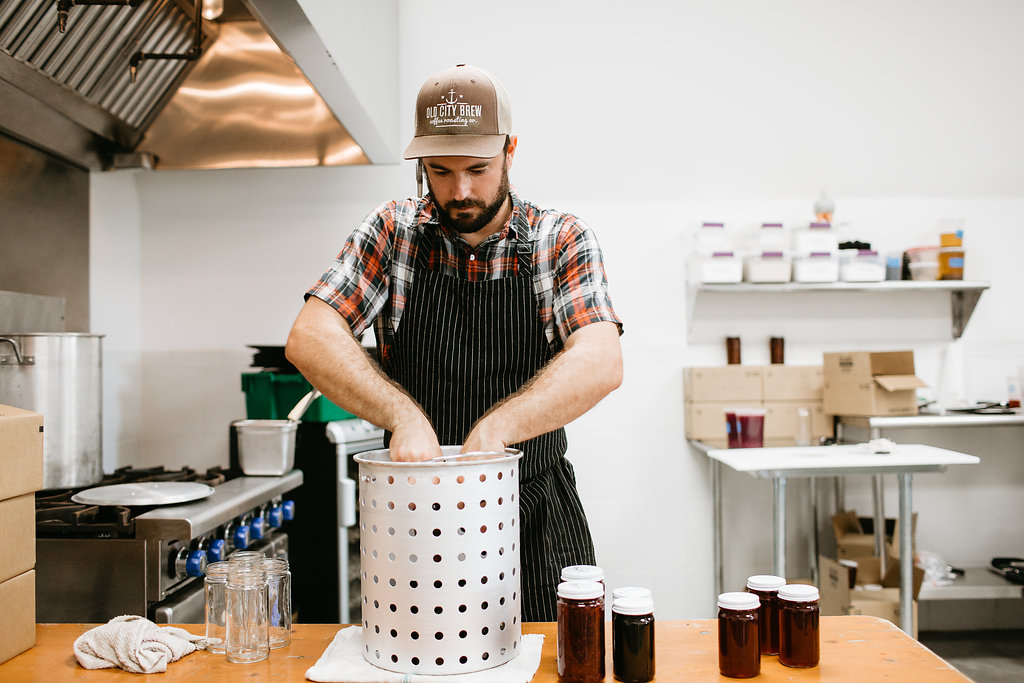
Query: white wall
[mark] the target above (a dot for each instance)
(645, 119)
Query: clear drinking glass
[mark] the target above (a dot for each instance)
(248, 637)
(215, 586)
(279, 600)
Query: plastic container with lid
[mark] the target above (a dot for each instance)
(580, 632)
(816, 266)
(739, 652)
(766, 588)
(772, 236)
(818, 236)
(861, 265)
(720, 267)
(799, 635)
(712, 237)
(768, 266)
(633, 638)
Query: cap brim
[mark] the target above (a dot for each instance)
(483, 146)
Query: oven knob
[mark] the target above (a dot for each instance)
(240, 537)
(190, 563)
(288, 507)
(215, 552)
(275, 517)
(256, 529)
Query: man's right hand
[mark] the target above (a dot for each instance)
(414, 441)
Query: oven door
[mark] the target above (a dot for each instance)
(188, 605)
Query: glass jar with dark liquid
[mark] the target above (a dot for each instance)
(739, 649)
(580, 632)
(633, 639)
(799, 639)
(766, 588)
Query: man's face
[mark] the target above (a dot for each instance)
(468, 191)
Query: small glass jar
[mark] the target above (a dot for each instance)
(215, 590)
(739, 650)
(246, 557)
(247, 636)
(633, 639)
(279, 601)
(766, 588)
(580, 632)
(799, 639)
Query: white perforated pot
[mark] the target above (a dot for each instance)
(439, 560)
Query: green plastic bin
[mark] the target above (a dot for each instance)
(270, 395)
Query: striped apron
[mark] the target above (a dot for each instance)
(463, 346)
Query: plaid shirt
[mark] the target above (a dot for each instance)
(371, 278)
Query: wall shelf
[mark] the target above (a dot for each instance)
(963, 295)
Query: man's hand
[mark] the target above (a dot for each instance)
(484, 438)
(414, 441)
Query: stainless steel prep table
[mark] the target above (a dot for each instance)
(780, 464)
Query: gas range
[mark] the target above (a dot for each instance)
(94, 563)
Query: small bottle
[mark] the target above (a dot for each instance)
(580, 632)
(739, 651)
(803, 426)
(633, 639)
(799, 645)
(279, 602)
(766, 588)
(215, 590)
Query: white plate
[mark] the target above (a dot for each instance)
(144, 493)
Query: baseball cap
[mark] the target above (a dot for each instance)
(462, 111)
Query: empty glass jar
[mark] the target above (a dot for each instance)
(247, 634)
(215, 586)
(279, 601)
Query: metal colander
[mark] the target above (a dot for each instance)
(439, 561)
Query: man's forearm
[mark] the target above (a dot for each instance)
(585, 371)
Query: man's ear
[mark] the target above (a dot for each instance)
(512, 141)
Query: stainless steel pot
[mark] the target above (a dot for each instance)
(59, 376)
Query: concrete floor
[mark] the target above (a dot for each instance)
(982, 656)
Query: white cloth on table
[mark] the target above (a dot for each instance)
(343, 661)
(134, 644)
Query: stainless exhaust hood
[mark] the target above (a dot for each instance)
(245, 102)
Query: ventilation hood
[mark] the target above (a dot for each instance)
(247, 100)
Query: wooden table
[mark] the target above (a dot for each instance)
(853, 648)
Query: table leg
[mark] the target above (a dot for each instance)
(906, 554)
(716, 493)
(779, 533)
(812, 536)
(878, 491)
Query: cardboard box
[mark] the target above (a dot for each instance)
(837, 597)
(864, 383)
(17, 536)
(793, 382)
(21, 451)
(705, 421)
(780, 421)
(737, 383)
(855, 536)
(18, 610)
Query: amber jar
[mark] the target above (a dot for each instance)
(633, 639)
(799, 639)
(739, 650)
(580, 631)
(766, 588)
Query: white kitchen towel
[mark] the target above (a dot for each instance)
(342, 662)
(135, 644)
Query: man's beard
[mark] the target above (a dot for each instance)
(465, 223)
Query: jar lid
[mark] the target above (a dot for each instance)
(580, 590)
(582, 572)
(631, 606)
(631, 592)
(739, 601)
(765, 582)
(798, 592)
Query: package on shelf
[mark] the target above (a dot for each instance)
(792, 383)
(782, 424)
(863, 590)
(816, 266)
(723, 383)
(711, 237)
(861, 265)
(720, 267)
(772, 236)
(870, 383)
(768, 267)
(816, 237)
